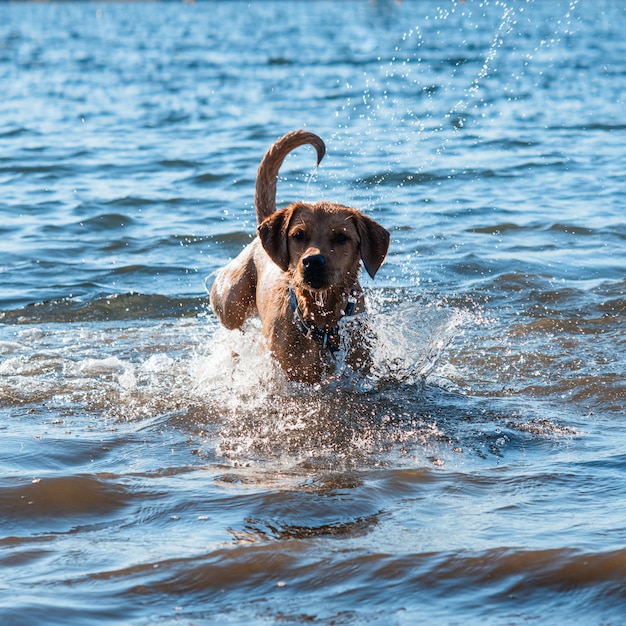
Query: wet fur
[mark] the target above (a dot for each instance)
(315, 247)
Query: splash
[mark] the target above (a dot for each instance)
(347, 419)
(411, 340)
(405, 343)
(223, 390)
(437, 102)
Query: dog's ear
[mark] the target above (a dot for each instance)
(374, 243)
(273, 234)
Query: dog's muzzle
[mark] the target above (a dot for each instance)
(314, 270)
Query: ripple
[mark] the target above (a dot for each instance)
(56, 504)
(156, 468)
(109, 308)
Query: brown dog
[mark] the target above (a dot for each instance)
(300, 275)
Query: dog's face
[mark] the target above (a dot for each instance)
(321, 245)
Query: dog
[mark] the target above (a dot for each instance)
(300, 274)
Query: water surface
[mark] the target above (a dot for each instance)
(156, 469)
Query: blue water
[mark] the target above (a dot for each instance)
(157, 469)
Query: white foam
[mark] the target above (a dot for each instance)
(9, 347)
(99, 367)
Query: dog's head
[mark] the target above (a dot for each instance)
(320, 245)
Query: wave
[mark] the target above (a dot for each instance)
(114, 307)
(408, 178)
(498, 585)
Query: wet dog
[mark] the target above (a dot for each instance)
(300, 275)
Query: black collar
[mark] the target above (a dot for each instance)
(325, 337)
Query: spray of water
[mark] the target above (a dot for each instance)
(349, 417)
(434, 106)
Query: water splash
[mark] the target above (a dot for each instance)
(224, 388)
(438, 104)
(348, 418)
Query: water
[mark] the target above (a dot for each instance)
(151, 476)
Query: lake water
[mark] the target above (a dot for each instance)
(149, 475)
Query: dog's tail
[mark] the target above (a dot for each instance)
(265, 195)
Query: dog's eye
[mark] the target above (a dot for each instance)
(298, 235)
(340, 238)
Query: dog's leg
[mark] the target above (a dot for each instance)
(233, 292)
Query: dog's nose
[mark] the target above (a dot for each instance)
(314, 262)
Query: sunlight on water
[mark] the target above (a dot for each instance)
(406, 92)
(159, 468)
(229, 373)
(346, 418)
(405, 344)
(227, 384)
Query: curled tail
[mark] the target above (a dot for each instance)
(265, 194)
